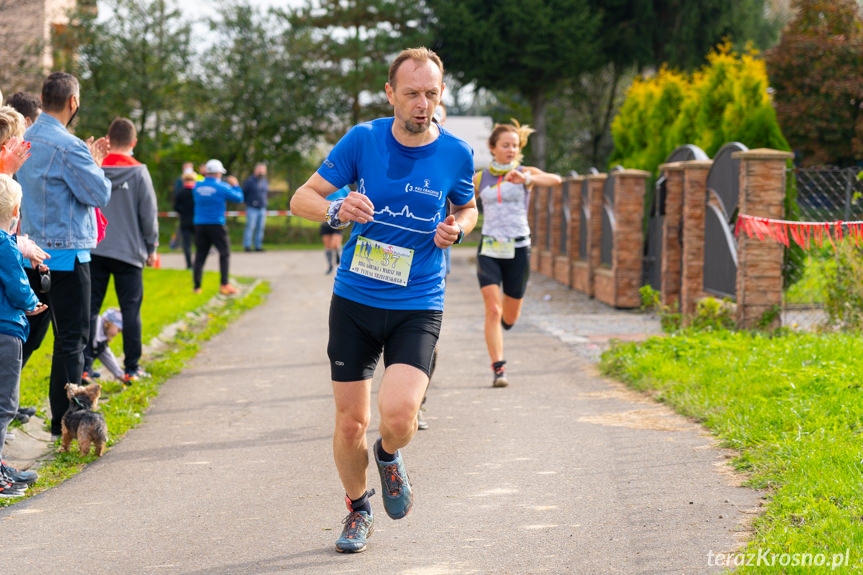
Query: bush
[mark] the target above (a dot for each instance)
(725, 101)
(844, 295)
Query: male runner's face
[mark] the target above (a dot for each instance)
(415, 95)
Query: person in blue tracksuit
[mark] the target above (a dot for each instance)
(211, 195)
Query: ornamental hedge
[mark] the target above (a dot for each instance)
(727, 100)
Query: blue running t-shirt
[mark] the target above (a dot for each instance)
(409, 188)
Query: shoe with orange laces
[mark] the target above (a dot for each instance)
(228, 289)
(358, 526)
(396, 485)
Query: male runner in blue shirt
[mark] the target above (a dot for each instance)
(388, 293)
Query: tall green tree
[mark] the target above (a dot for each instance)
(132, 63)
(588, 51)
(527, 46)
(681, 33)
(350, 45)
(133, 60)
(254, 99)
(816, 71)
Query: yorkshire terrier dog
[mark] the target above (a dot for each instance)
(81, 422)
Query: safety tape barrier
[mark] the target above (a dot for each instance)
(232, 213)
(804, 234)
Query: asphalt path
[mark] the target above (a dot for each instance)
(231, 471)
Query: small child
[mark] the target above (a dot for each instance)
(108, 325)
(17, 300)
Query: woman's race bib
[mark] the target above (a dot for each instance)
(498, 249)
(374, 259)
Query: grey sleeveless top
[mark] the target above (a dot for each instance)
(504, 215)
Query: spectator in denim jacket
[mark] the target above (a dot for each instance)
(62, 183)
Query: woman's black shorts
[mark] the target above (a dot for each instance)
(359, 332)
(513, 274)
(327, 230)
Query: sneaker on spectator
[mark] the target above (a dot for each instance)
(358, 526)
(14, 484)
(228, 289)
(139, 373)
(9, 490)
(18, 476)
(130, 378)
(396, 485)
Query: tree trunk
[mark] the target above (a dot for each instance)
(538, 141)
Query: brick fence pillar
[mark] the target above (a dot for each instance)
(584, 271)
(561, 230)
(545, 241)
(538, 215)
(575, 185)
(619, 286)
(671, 234)
(759, 262)
(692, 260)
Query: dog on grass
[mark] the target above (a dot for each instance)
(81, 422)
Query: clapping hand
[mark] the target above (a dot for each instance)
(13, 154)
(99, 148)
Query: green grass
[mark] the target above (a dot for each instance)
(201, 316)
(792, 405)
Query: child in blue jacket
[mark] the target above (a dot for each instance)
(17, 300)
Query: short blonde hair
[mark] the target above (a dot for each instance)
(10, 196)
(11, 124)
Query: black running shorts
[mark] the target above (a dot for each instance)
(327, 230)
(359, 332)
(513, 274)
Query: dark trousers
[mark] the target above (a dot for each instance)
(187, 236)
(207, 235)
(69, 312)
(129, 285)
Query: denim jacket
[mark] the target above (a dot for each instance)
(61, 184)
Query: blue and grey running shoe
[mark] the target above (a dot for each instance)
(358, 526)
(396, 485)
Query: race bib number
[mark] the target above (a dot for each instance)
(499, 249)
(373, 259)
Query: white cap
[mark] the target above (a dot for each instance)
(214, 167)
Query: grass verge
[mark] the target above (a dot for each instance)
(198, 317)
(792, 405)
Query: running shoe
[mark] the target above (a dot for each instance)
(499, 374)
(228, 289)
(8, 490)
(396, 485)
(358, 526)
(16, 476)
